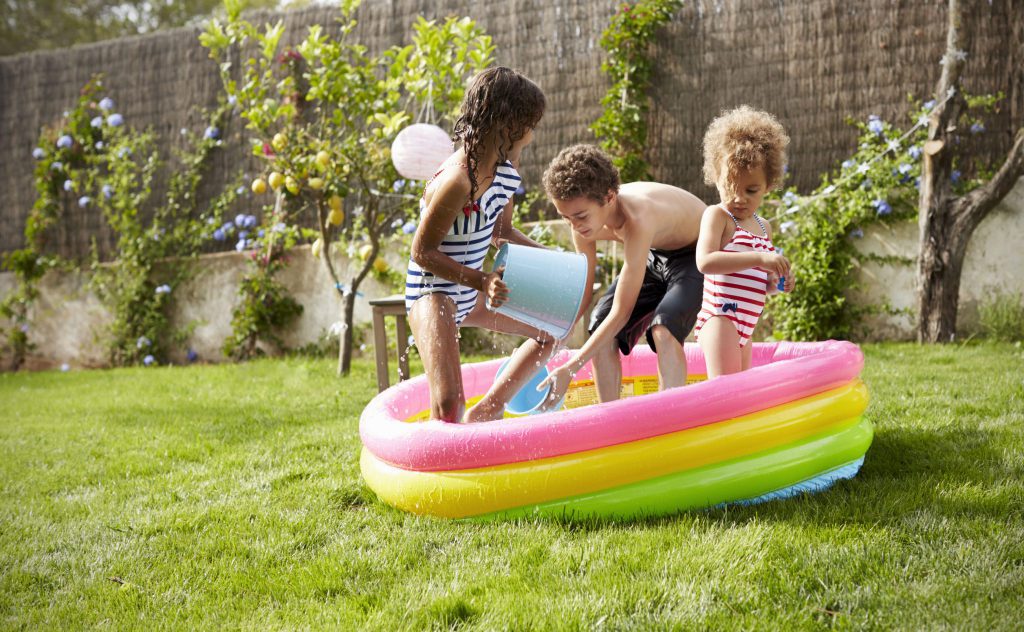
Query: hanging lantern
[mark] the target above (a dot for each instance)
(419, 150)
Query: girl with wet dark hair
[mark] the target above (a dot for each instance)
(465, 209)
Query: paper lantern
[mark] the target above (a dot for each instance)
(419, 150)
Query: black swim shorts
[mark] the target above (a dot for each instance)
(671, 296)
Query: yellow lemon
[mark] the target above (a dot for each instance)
(316, 183)
(279, 141)
(365, 251)
(323, 159)
(336, 217)
(292, 185)
(276, 180)
(380, 265)
(316, 248)
(335, 202)
(259, 186)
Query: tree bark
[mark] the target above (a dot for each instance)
(946, 221)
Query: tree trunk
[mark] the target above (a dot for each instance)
(348, 307)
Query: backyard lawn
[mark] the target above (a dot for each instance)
(229, 496)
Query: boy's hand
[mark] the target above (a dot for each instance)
(775, 264)
(558, 381)
(495, 289)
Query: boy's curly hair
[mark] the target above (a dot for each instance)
(581, 170)
(744, 139)
(499, 101)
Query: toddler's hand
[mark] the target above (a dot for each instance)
(495, 290)
(790, 282)
(775, 264)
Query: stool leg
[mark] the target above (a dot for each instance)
(380, 349)
(403, 347)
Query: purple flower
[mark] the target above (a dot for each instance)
(928, 105)
(219, 235)
(977, 128)
(240, 220)
(242, 234)
(124, 151)
(65, 367)
(857, 233)
(849, 164)
(260, 233)
(904, 168)
(876, 126)
(914, 152)
(65, 141)
(163, 289)
(240, 190)
(107, 104)
(240, 246)
(97, 121)
(211, 133)
(142, 342)
(115, 120)
(408, 228)
(250, 221)
(191, 356)
(396, 224)
(280, 227)
(148, 360)
(520, 190)
(232, 100)
(23, 328)
(38, 153)
(882, 207)
(69, 185)
(228, 228)
(107, 191)
(398, 185)
(84, 201)
(99, 144)
(955, 176)
(56, 165)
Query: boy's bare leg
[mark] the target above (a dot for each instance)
(432, 319)
(607, 372)
(671, 359)
(525, 361)
(721, 346)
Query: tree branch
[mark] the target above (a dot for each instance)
(979, 202)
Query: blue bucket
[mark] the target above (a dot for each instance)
(528, 399)
(545, 287)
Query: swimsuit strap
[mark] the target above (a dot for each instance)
(759, 223)
(734, 220)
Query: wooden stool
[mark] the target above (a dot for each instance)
(393, 305)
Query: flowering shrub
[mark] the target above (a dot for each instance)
(878, 184)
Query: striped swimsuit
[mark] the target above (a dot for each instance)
(739, 296)
(467, 241)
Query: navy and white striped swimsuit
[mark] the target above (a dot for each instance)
(467, 241)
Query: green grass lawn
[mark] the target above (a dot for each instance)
(230, 497)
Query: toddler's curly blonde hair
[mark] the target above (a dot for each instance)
(740, 140)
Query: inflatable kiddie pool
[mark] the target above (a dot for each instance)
(792, 423)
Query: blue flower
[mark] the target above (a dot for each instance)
(917, 183)
(232, 100)
(56, 165)
(115, 120)
(65, 367)
(219, 235)
(191, 356)
(904, 168)
(882, 207)
(260, 233)
(857, 233)
(250, 221)
(99, 144)
(408, 228)
(211, 133)
(977, 128)
(240, 246)
(69, 185)
(142, 342)
(97, 121)
(240, 190)
(928, 105)
(788, 198)
(876, 126)
(520, 190)
(787, 226)
(240, 220)
(849, 164)
(84, 201)
(107, 104)
(955, 176)
(396, 224)
(107, 191)
(23, 328)
(398, 185)
(148, 360)
(124, 151)
(65, 141)
(280, 227)
(242, 234)
(914, 152)
(38, 153)
(163, 289)
(867, 184)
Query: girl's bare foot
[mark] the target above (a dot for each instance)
(484, 411)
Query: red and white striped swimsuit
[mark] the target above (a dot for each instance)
(739, 296)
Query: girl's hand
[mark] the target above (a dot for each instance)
(495, 289)
(790, 282)
(775, 264)
(558, 381)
